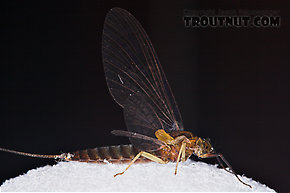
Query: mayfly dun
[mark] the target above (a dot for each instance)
(138, 84)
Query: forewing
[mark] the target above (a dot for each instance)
(141, 117)
(133, 73)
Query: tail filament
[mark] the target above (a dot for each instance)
(63, 156)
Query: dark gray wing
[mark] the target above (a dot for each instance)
(135, 77)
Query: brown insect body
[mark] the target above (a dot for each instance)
(109, 154)
(125, 153)
(121, 154)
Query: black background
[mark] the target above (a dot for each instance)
(231, 84)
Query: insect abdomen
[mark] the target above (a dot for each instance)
(111, 154)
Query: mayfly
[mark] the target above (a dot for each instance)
(138, 84)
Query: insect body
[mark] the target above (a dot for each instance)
(138, 84)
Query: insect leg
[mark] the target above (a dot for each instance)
(181, 151)
(144, 154)
(183, 155)
(220, 156)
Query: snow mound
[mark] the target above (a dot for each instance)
(76, 176)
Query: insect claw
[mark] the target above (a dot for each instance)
(118, 174)
(175, 172)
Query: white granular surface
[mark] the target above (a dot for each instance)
(75, 176)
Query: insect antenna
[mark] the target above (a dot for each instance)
(63, 156)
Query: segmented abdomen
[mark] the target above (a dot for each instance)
(111, 154)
